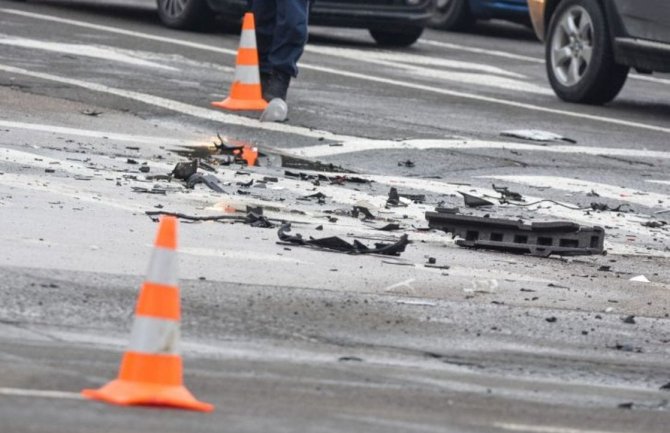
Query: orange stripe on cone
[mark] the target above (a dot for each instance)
(245, 95)
(153, 375)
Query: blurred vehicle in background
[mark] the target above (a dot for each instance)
(590, 45)
(461, 14)
(390, 22)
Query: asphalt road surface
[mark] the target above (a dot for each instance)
(96, 99)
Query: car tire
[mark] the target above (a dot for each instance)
(451, 15)
(579, 54)
(403, 38)
(185, 14)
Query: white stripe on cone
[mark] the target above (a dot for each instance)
(163, 267)
(155, 336)
(248, 39)
(247, 74)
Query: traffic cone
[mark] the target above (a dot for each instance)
(246, 92)
(151, 368)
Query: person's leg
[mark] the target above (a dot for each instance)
(265, 12)
(290, 35)
(287, 46)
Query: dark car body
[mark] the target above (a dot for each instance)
(368, 14)
(615, 35)
(507, 9)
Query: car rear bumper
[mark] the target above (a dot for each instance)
(345, 14)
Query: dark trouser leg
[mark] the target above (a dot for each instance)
(265, 12)
(290, 35)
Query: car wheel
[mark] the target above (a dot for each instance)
(403, 38)
(185, 14)
(579, 54)
(451, 15)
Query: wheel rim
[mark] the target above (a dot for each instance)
(442, 6)
(173, 8)
(572, 46)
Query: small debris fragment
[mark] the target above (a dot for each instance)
(630, 320)
(640, 279)
(145, 169)
(665, 387)
(536, 135)
(628, 405)
(507, 194)
(473, 201)
(350, 359)
(408, 164)
(551, 319)
(340, 245)
(89, 112)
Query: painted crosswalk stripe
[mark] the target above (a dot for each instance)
(628, 195)
(18, 392)
(466, 144)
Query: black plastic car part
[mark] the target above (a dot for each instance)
(538, 239)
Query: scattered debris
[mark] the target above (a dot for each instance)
(350, 359)
(665, 387)
(408, 164)
(367, 215)
(640, 279)
(627, 405)
(551, 319)
(655, 224)
(340, 245)
(145, 169)
(473, 201)
(394, 198)
(626, 348)
(539, 239)
(319, 196)
(630, 320)
(536, 135)
(602, 207)
(154, 190)
(210, 180)
(89, 112)
(251, 218)
(593, 194)
(506, 194)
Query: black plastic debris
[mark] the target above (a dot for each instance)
(184, 170)
(246, 184)
(211, 181)
(131, 161)
(154, 190)
(393, 198)
(258, 220)
(362, 210)
(388, 227)
(536, 135)
(629, 320)
(145, 169)
(506, 194)
(473, 201)
(603, 207)
(319, 197)
(340, 245)
(539, 239)
(408, 164)
(665, 387)
(655, 224)
(90, 112)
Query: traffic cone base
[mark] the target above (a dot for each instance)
(127, 393)
(241, 104)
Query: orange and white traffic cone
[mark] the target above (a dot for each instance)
(246, 92)
(151, 368)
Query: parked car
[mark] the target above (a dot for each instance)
(461, 14)
(590, 45)
(390, 22)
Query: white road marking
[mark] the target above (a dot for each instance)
(343, 73)
(629, 195)
(144, 139)
(465, 144)
(97, 52)
(660, 182)
(513, 56)
(488, 52)
(413, 65)
(543, 429)
(411, 59)
(18, 392)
